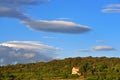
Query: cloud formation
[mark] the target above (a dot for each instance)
(104, 48)
(25, 52)
(57, 26)
(13, 8)
(112, 8)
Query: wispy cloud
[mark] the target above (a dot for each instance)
(14, 8)
(26, 52)
(48, 37)
(100, 41)
(84, 50)
(9, 12)
(104, 48)
(64, 19)
(97, 48)
(20, 2)
(57, 26)
(112, 8)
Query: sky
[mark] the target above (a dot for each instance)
(43, 30)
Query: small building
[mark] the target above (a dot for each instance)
(75, 70)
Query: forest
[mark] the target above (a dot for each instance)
(91, 68)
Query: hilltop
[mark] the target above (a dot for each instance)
(91, 68)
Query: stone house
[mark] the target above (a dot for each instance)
(75, 70)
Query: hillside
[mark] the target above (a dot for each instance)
(97, 68)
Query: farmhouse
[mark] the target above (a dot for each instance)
(75, 70)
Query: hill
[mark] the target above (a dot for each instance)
(91, 68)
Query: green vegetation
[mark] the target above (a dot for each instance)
(91, 68)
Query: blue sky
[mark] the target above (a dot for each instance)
(94, 32)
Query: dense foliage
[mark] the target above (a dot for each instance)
(91, 68)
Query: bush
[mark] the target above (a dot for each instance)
(91, 78)
(73, 76)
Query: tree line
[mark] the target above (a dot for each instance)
(92, 68)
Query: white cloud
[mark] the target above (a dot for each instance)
(103, 48)
(112, 8)
(25, 45)
(26, 52)
(98, 48)
(57, 26)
